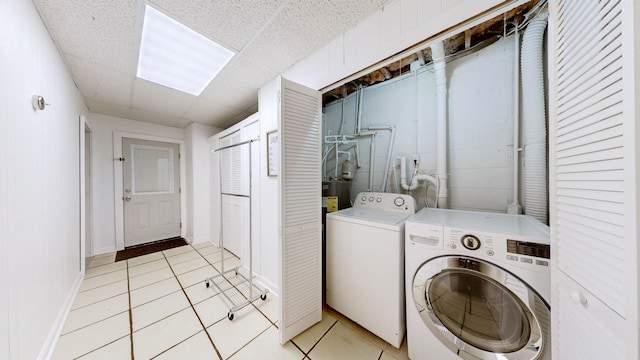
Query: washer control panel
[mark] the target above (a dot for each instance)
(386, 201)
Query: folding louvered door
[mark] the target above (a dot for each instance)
(593, 180)
(300, 191)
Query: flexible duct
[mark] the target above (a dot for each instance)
(416, 179)
(534, 131)
(439, 66)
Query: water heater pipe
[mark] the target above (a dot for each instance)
(439, 66)
(534, 131)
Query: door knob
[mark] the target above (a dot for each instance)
(127, 198)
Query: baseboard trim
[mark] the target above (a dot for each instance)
(54, 334)
(273, 288)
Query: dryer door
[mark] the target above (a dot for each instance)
(478, 308)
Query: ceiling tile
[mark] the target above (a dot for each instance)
(154, 117)
(304, 26)
(160, 99)
(211, 112)
(231, 23)
(101, 31)
(98, 82)
(101, 107)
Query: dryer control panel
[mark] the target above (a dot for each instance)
(386, 201)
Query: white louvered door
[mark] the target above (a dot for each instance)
(300, 189)
(593, 180)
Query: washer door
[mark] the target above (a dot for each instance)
(478, 308)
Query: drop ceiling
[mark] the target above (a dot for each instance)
(100, 39)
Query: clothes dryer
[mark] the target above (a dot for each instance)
(365, 262)
(477, 286)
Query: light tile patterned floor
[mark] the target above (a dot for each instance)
(157, 307)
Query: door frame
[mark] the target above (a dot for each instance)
(117, 181)
(86, 178)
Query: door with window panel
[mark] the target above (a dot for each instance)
(151, 180)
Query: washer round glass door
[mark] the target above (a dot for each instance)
(476, 307)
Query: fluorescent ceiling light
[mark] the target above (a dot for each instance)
(173, 55)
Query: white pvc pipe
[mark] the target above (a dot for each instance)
(514, 207)
(415, 180)
(534, 130)
(392, 139)
(372, 158)
(439, 66)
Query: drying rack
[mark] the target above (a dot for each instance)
(220, 279)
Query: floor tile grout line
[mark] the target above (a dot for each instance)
(91, 276)
(204, 328)
(130, 313)
(321, 337)
(100, 347)
(93, 323)
(250, 341)
(158, 298)
(102, 285)
(98, 301)
(171, 347)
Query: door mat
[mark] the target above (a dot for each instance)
(139, 250)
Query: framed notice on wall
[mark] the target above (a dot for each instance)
(273, 154)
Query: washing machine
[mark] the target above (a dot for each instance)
(365, 262)
(477, 286)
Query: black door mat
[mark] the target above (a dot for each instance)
(139, 250)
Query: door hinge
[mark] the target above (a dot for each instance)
(180, 224)
(179, 190)
(178, 156)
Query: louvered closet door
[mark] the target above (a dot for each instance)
(300, 189)
(594, 290)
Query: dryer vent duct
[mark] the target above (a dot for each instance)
(534, 129)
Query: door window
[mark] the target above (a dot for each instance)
(152, 170)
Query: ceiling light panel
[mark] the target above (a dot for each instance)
(175, 56)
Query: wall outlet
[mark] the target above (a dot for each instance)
(416, 159)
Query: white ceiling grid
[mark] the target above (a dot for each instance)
(99, 40)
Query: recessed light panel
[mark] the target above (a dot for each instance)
(173, 55)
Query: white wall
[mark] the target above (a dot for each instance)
(197, 169)
(480, 111)
(269, 191)
(103, 126)
(39, 185)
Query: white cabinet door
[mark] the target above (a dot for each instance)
(300, 220)
(593, 180)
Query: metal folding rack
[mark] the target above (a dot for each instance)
(222, 282)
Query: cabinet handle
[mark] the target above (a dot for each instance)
(578, 298)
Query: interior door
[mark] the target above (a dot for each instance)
(151, 181)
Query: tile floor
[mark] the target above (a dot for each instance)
(157, 307)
